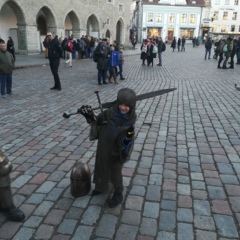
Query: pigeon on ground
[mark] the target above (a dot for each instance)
(237, 87)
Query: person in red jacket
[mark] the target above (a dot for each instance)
(69, 49)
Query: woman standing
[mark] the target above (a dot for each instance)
(144, 48)
(150, 54)
(173, 45)
(10, 47)
(179, 44)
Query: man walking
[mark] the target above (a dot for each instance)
(6, 69)
(160, 44)
(54, 55)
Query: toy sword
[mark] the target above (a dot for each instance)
(111, 104)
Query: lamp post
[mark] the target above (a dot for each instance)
(137, 23)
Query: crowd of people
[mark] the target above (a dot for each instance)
(224, 49)
(150, 49)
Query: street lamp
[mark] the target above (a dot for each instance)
(137, 10)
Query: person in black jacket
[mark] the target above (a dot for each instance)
(10, 47)
(54, 55)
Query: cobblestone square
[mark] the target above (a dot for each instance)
(182, 181)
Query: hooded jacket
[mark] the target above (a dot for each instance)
(111, 130)
(6, 62)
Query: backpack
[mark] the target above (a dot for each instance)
(225, 48)
(207, 45)
(163, 47)
(67, 46)
(155, 49)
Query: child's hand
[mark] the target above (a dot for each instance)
(130, 132)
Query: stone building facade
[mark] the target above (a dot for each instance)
(27, 21)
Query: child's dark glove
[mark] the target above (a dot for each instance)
(86, 111)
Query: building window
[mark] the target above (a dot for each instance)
(226, 2)
(192, 18)
(171, 17)
(234, 17)
(223, 28)
(184, 18)
(232, 28)
(235, 2)
(215, 15)
(214, 27)
(120, 8)
(225, 15)
(217, 2)
(158, 17)
(187, 33)
(150, 17)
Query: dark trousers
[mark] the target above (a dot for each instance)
(101, 75)
(232, 60)
(225, 62)
(120, 70)
(112, 73)
(54, 64)
(116, 177)
(6, 83)
(220, 59)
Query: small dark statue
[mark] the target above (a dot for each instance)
(6, 201)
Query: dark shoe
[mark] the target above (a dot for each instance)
(224, 68)
(218, 67)
(53, 88)
(122, 78)
(209, 58)
(13, 213)
(105, 83)
(59, 89)
(231, 67)
(95, 192)
(115, 200)
(159, 64)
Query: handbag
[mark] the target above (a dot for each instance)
(155, 49)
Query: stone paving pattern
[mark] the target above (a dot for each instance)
(182, 182)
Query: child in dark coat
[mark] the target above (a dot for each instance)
(114, 129)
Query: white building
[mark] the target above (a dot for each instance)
(169, 18)
(225, 16)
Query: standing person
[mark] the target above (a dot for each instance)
(113, 63)
(45, 45)
(54, 55)
(220, 50)
(208, 46)
(121, 61)
(133, 41)
(173, 44)
(179, 44)
(194, 41)
(69, 49)
(7, 206)
(92, 46)
(238, 51)
(102, 53)
(183, 44)
(115, 127)
(63, 47)
(144, 51)
(228, 52)
(234, 49)
(150, 53)
(160, 46)
(10, 47)
(6, 69)
(75, 48)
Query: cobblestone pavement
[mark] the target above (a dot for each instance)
(182, 182)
